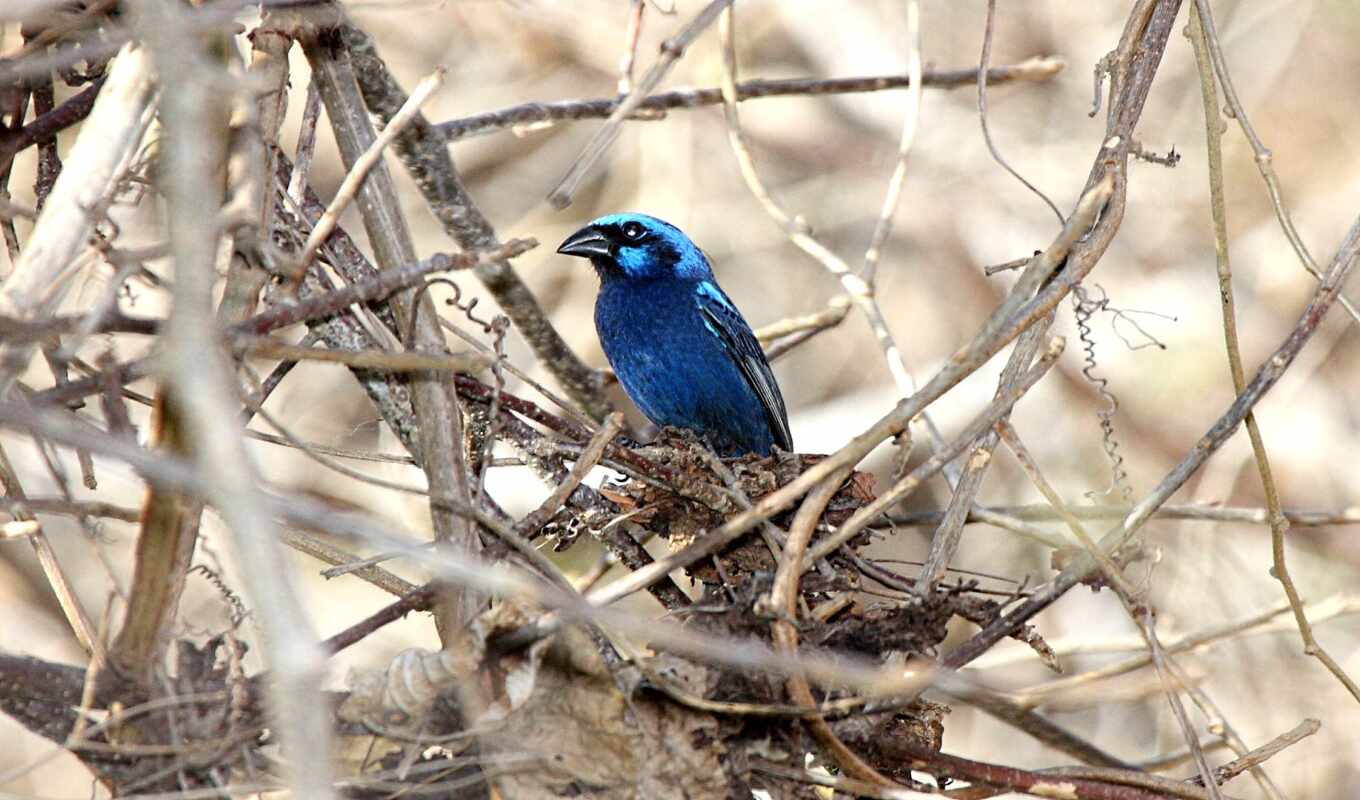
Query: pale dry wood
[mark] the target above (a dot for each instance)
(502, 578)
(94, 167)
(359, 170)
(434, 399)
(1201, 36)
(201, 381)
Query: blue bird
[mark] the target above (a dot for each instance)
(679, 346)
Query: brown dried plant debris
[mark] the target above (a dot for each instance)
(694, 503)
(549, 721)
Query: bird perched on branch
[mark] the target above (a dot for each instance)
(679, 346)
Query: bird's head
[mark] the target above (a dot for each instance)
(636, 247)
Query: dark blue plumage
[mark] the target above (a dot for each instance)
(677, 343)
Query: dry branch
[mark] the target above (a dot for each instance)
(1213, 439)
(425, 156)
(534, 115)
(1279, 525)
(788, 645)
(439, 418)
(672, 50)
(94, 167)
(200, 383)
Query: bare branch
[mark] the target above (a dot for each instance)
(426, 156)
(671, 51)
(440, 420)
(531, 116)
(200, 382)
(1279, 525)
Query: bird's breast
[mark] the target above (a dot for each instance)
(672, 364)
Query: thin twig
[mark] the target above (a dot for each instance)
(945, 543)
(349, 187)
(1199, 32)
(531, 116)
(671, 51)
(419, 600)
(528, 527)
(1213, 439)
(57, 505)
(1227, 735)
(76, 615)
(1257, 757)
(306, 145)
(1263, 156)
(1166, 669)
(96, 163)
(836, 310)
(633, 32)
(1169, 787)
(783, 601)
(1141, 613)
(1040, 784)
(860, 291)
(382, 360)
(996, 410)
(849, 786)
(983, 62)
(773, 536)
(375, 287)
(426, 157)
(1257, 623)
(1042, 729)
(325, 552)
(1190, 512)
(910, 121)
(47, 125)
(200, 379)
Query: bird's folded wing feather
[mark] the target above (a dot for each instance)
(727, 324)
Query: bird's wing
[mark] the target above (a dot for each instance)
(723, 319)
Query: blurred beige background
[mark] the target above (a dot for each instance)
(828, 158)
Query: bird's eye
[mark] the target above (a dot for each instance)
(633, 231)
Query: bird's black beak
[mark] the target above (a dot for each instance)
(588, 242)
